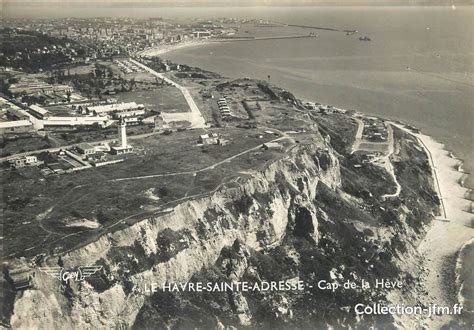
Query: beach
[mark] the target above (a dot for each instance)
(465, 280)
(166, 48)
(447, 234)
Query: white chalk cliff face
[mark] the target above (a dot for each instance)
(173, 247)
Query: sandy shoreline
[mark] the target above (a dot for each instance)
(464, 279)
(166, 48)
(447, 234)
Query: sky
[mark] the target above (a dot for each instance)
(239, 2)
(66, 8)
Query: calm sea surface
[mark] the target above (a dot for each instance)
(435, 94)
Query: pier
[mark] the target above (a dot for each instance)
(264, 38)
(313, 27)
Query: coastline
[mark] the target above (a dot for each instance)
(464, 280)
(448, 234)
(166, 48)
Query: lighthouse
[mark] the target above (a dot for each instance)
(122, 133)
(122, 147)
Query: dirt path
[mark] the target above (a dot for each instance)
(210, 167)
(387, 164)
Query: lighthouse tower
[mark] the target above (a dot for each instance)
(122, 133)
(122, 147)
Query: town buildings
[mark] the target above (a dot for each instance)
(16, 127)
(25, 161)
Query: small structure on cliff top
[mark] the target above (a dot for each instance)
(19, 274)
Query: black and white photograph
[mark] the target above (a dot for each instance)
(227, 165)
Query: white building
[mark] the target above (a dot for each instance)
(39, 111)
(73, 122)
(24, 161)
(114, 108)
(210, 138)
(16, 126)
(124, 147)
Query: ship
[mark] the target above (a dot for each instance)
(365, 38)
(350, 32)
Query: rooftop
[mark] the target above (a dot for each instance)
(115, 107)
(39, 109)
(15, 123)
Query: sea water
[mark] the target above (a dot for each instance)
(417, 68)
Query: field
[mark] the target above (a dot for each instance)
(22, 144)
(37, 209)
(109, 133)
(166, 99)
(373, 147)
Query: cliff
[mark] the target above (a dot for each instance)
(172, 247)
(307, 216)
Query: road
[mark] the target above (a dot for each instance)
(210, 167)
(387, 164)
(195, 116)
(358, 137)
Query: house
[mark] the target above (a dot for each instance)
(210, 138)
(16, 127)
(25, 161)
(21, 278)
(131, 113)
(272, 145)
(17, 113)
(121, 150)
(96, 157)
(202, 34)
(106, 109)
(86, 149)
(38, 111)
(68, 123)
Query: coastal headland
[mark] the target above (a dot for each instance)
(192, 179)
(453, 228)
